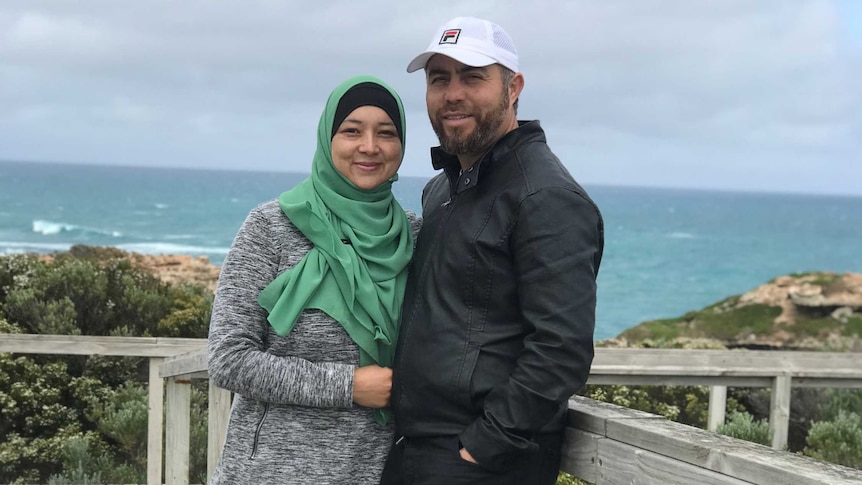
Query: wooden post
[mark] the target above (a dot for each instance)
(779, 411)
(155, 419)
(717, 407)
(218, 415)
(178, 409)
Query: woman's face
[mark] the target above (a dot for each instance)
(366, 148)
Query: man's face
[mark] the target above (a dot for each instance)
(469, 107)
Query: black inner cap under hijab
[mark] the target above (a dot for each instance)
(367, 94)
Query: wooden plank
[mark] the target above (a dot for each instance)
(702, 369)
(736, 458)
(91, 345)
(155, 419)
(593, 416)
(827, 382)
(717, 407)
(185, 364)
(217, 419)
(694, 369)
(177, 430)
(645, 379)
(818, 363)
(779, 412)
(721, 454)
(622, 464)
(580, 454)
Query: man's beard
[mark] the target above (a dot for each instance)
(481, 138)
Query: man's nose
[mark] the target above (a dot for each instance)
(455, 92)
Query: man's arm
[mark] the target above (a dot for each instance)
(557, 245)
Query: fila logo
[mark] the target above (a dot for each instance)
(450, 36)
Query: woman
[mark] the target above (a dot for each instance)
(305, 316)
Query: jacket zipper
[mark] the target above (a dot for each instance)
(257, 431)
(453, 194)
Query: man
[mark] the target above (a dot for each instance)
(498, 316)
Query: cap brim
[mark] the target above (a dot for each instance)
(419, 61)
(466, 57)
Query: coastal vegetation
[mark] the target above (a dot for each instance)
(77, 419)
(816, 311)
(74, 419)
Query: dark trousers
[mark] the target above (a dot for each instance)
(432, 461)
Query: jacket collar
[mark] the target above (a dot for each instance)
(441, 159)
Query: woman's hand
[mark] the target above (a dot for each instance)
(372, 386)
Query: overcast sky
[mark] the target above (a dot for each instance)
(731, 94)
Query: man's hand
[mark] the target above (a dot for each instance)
(465, 455)
(372, 386)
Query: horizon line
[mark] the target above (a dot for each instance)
(730, 190)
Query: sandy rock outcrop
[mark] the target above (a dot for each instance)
(179, 268)
(839, 296)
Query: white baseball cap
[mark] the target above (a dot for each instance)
(471, 41)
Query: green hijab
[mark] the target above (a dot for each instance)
(361, 283)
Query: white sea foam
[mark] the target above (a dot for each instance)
(15, 247)
(169, 248)
(48, 228)
(162, 206)
(681, 235)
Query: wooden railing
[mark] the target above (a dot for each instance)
(611, 445)
(720, 369)
(605, 443)
(155, 349)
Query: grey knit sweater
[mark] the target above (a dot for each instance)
(293, 420)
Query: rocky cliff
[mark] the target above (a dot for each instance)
(177, 269)
(811, 311)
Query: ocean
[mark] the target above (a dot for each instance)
(666, 251)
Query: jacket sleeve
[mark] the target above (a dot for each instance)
(237, 357)
(557, 244)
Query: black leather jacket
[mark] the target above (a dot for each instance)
(499, 311)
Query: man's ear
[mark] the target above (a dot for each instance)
(516, 85)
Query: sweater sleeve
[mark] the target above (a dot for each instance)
(237, 356)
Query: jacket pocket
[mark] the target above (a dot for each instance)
(465, 373)
(257, 430)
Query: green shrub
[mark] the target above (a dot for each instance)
(124, 420)
(742, 425)
(83, 461)
(721, 321)
(53, 407)
(837, 400)
(12, 267)
(853, 327)
(565, 479)
(837, 441)
(813, 327)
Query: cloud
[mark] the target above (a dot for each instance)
(616, 83)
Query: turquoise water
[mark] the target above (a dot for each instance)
(667, 251)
